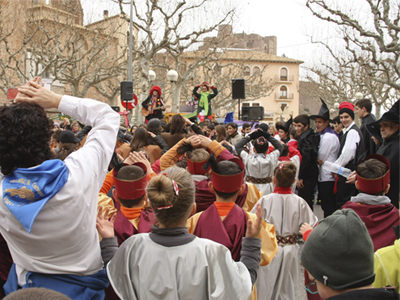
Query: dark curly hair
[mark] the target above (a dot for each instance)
(25, 134)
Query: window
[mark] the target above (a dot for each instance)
(256, 104)
(256, 71)
(245, 104)
(283, 92)
(246, 71)
(284, 74)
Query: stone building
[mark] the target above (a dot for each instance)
(227, 39)
(49, 37)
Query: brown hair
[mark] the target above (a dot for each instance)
(161, 193)
(177, 124)
(221, 133)
(285, 173)
(261, 145)
(140, 140)
(365, 103)
(130, 173)
(35, 293)
(371, 169)
(65, 150)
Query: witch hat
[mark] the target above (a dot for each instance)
(323, 112)
(393, 115)
(286, 126)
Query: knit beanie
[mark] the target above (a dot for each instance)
(347, 107)
(339, 252)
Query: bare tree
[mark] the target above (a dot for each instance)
(371, 47)
(221, 73)
(173, 27)
(55, 44)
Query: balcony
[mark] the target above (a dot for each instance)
(286, 79)
(288, 97)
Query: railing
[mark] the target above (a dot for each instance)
(284, 78)
(283, 98)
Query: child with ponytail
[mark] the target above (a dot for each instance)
(259, 166)
(287, 212)
(170, 263)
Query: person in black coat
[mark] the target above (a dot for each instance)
(363, 110)
(389, 129)
(308, 146)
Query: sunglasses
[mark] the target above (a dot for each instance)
(311, 287)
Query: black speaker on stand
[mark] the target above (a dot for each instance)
(238, 91)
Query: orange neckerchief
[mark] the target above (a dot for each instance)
(224, 207)
(131, 213)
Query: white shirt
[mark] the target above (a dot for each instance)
(64, 239)
(329, 147)
(200, 269)
(350, 147)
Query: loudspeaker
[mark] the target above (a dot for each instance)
(238, 89)
(252, 113)
(127, 91)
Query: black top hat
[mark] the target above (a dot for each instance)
(286, 126)
(323, 112)
(392, 115)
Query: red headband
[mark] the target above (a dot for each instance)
(228, 183)
(197, 167)
(374, 185)
(131, 189)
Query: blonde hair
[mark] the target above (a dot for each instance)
(170, 206)
(198, 155)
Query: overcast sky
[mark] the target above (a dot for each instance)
(289, 20)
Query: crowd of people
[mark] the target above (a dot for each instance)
(193, 209)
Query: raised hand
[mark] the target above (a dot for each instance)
(105, 223)
(195, 141)
(255, 134)
(253, 230)
(205, 141)
(34, 92)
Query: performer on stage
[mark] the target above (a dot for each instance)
(204, 110)
(153, 106)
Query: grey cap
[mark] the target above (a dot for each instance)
(339, 252)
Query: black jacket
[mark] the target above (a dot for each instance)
(390, 150)
(308, 147)
(367, 144)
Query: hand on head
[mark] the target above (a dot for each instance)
(205, 141)
(195, 141)
(34, 92)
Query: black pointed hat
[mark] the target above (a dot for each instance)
(393, 115)
(323, 112)
(286, 126)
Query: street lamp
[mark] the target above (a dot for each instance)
(172, 76)
(358, 96)
(152, 75)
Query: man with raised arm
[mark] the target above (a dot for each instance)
(48, 207)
